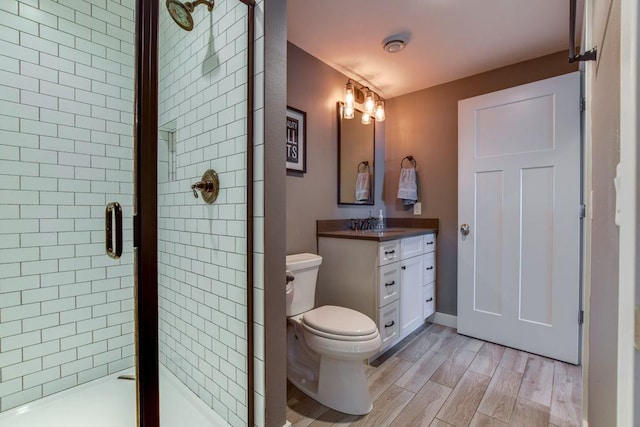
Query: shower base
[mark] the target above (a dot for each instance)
(109, 402)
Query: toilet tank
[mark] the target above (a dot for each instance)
(305, 271)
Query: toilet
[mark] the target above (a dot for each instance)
(326, 346)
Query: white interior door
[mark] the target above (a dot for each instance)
(519, 192)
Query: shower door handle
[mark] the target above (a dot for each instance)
(113, 221)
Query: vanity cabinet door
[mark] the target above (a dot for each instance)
(411, 307)
(388, 252)
(429, 267)
(389, 324)
(429, 300)
(388, 284)
(429, 243)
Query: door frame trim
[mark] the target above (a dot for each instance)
(628, 201)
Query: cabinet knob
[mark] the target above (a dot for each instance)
(404, 267)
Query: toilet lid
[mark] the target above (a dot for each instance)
(339, 321)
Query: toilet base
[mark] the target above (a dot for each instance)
(342, 386)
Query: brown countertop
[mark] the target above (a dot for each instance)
(390, 233)
(397, 228)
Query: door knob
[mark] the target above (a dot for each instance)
(464, 229)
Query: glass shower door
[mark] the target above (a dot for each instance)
(67, 73)
(204, 144)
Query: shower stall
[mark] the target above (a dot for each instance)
(120, 269)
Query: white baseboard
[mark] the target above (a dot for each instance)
(287, 424)
(446, 320)
(585, 423)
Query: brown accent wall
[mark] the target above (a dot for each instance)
(315, 87)
(424, 124)
(605, 154)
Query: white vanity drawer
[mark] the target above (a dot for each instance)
(429, 300)
(429, 243)
(389, 324)
(388, 252)
(429, 265)
(410, 247)
(388, 283)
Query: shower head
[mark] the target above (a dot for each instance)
(181, 12)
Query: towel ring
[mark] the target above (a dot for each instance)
(411, 159)
(366, 166)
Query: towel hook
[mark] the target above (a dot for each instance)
(364, 163)
(410, 158)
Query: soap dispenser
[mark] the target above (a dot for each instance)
(380, 224)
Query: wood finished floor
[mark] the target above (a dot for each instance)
(442, 379)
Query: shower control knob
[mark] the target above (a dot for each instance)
(209, 186)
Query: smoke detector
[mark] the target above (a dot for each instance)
(395, 43)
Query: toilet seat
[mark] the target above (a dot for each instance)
(339, 323)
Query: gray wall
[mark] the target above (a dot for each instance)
(605, 129)
(425, 124)
(315, 87)
(274, 17)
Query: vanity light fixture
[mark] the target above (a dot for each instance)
(369, 102)
(354, 93)
(380, 111)
(348, 112)
(349, 96)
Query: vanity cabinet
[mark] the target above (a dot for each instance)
(392, 282)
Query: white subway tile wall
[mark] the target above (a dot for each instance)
(66, 149)
(202, 248)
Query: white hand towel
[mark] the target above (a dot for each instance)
(362, 187)
(407, 186)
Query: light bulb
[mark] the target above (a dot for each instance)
(380, 111)
(369, 102)
(366, 118)
(348, 113)
(349, 97)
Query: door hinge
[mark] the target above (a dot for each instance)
(583, 210)
(581, 317)
(583, 104)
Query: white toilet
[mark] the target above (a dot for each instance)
(326, 346)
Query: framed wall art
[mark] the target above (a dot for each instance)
(296, 140)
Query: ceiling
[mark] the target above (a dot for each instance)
(448, 39)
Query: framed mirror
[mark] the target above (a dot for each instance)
(356, 159)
